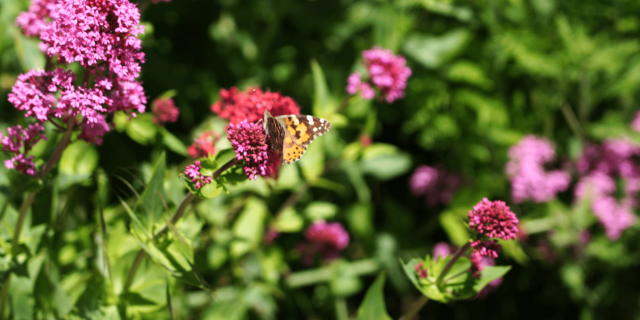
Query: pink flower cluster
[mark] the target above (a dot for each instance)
(91, 31)
(525, 169)
(250, 105)
(600, 166)
(40, 12)
(102, 36)
(494, 219)
(329, 239)
(386, 71)
(204, 145)
(193, 172)
(435, 183)
(19, 141)
(164, 110)
(249, 142)
(491, 219)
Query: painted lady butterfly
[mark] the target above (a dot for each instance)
(290, 135)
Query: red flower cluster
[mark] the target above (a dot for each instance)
(422, 272)
(250, 105)
(165, 110)
(204, 145)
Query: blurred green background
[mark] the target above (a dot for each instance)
(485, 74)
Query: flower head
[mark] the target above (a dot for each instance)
(328, 239)
(529, 180)
(422, 272)
(441, 249)
(493, 219)
(332, 234)
(93, 131)
(616, 216)
(40, 13)
(204, 145)
(435, 183)
(20, 141)
(487, 248)
(249, 142)
(92, 31)
(165, 110)
(386, 71)
(193, 172)
(250, 105)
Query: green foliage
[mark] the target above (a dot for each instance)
(484, 75)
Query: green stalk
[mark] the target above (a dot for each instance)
(451, 262)
(4, 295)
(26, 204)
(415, 308)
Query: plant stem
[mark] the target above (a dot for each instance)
(4, 295)
(64, 142)
(415, 308)
(26, 204)
(451, 262)
(133, 270)
(224, 168)
(179, 212)
(572, 120)
(342, 312)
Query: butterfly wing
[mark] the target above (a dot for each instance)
(299, 132)
(276, 133)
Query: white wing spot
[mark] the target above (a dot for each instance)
(321, 120)
(310, 118)
(315, 129)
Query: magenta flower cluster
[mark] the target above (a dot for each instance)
(601, 165)
(249, 142)
(100, 35)
(328, 239)
(434, 183)
(193, 172)
(525, 169)
(386, 72)
(332, 234)
(494, 219)
(491, 219)
(19, 141)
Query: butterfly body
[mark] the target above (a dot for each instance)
(290, 135)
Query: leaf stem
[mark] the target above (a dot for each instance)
(4, 295)
(179, 212)
(133, 270)
(26, 204)
(64, 142)
(572, 120)
(224, 168)
(451, 262)
(415, 308)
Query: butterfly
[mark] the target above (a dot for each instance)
(290, 135)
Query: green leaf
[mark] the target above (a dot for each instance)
(30, 56)
(172, 142)
(288, 221)
(388, 166)
(322, 104)
(320, 210)
(373, 306)
(142, 129)
(77, 163)
(455, 228)
(433, 51)
(169, 93)
(249, 227)
(490, 273)
(150, 199)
